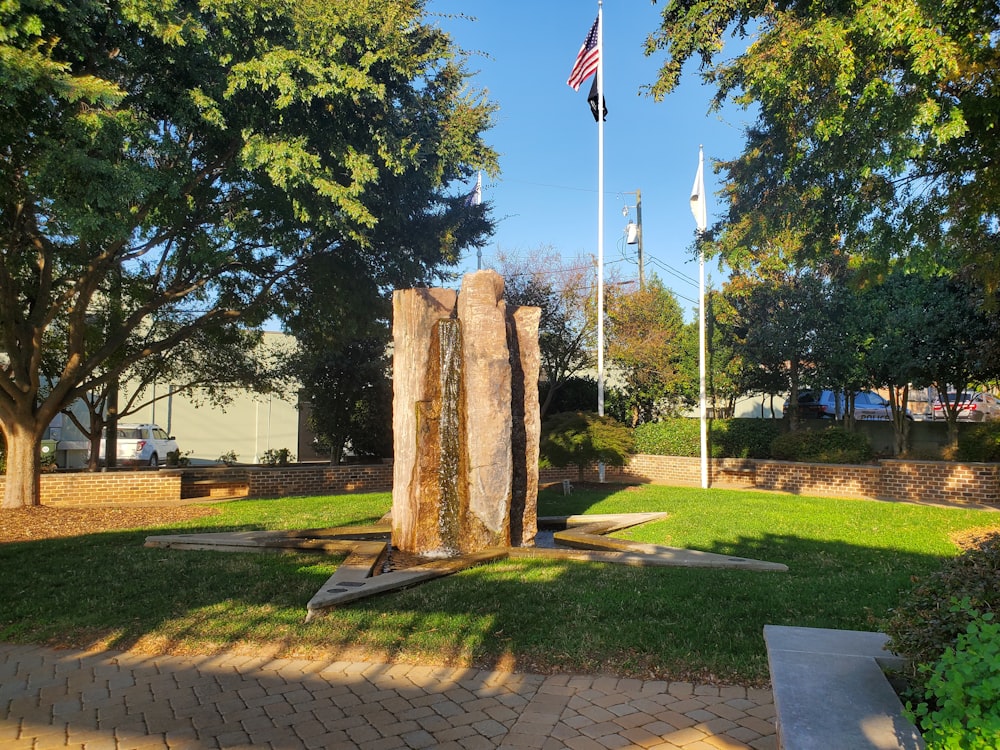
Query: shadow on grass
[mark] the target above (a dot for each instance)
(108, 590)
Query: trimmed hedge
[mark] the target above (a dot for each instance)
(669, 437)
(834, 445)
(728, 438)
(980, 443)
(744, 438)
(925, 623)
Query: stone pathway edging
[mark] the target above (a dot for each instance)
(94, 700)
(584, 537)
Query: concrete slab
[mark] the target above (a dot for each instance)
(584, 536)
(832, 641)
(831, 692)
(350, 584)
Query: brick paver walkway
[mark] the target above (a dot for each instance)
(119, 701)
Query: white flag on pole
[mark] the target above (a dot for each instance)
(699, 206)
(476, 196)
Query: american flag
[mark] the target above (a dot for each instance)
(586, 61)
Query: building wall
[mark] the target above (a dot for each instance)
(249, 425)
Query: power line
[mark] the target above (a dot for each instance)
(496, 183)
(672, 272)
(686, 299)
(553, 271)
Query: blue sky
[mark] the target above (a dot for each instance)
(546, 194)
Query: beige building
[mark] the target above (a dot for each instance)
(249, 425)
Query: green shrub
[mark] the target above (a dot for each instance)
(963, 689)
(583, 438)
(743, 438)
(676, 436)
(832, 445)
(176, 458)
(980, 443)
(728, 438)
(575, 394)
(926, 623)
(277, 457)
(228, 458)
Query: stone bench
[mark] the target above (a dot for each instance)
(830, 691)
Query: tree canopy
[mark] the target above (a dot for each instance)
(568, 326)
(875, 134)
(646, 343)
(183, 159)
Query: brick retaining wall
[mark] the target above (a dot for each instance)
(918, 481)
(680, 471)
(968, 484)
(278, 481)
(940, 482)
(819, 479)
(91, 488)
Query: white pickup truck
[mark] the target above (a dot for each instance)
(141, 444)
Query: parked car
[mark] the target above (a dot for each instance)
(973, 406)
(823, 405)
(141, 444)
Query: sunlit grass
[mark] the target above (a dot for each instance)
(849, 561)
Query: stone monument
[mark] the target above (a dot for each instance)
(465, 419)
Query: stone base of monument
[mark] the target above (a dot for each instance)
(365, 573)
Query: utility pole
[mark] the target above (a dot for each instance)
(638, 224)
(638, 233)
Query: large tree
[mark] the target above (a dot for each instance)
(927, 331)
(183, 158)
(875, 133)
(646, 344)
(778, 324)
(568, 327)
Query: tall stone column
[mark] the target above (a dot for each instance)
(415, 315)
(525, 362)
(486, 379)
(465, 419)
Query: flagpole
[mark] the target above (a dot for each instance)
(590, 62)
(600, 219)
(702, 394)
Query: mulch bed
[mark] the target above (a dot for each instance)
(45, 522)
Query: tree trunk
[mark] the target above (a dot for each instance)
(950, 409)
(953, 430)
(23, 485)
(898, 396)
(793, 399)
(550, 393)
(94, 456)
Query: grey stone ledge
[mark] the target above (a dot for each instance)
(830, 691)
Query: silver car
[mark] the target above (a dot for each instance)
(868, 405)
(973, 406)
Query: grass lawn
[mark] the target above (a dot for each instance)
(849, 561)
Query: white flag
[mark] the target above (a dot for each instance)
(476, 196)
(699, 206)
